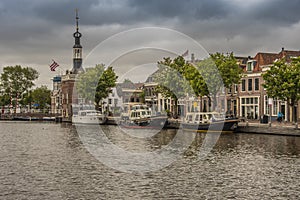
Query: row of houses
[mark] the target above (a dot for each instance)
(247, 100)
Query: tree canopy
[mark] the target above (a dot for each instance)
(282, 81)
(17, 80)
(95, 84)
(205, 78)
(105, 84)
(217, 71)
(41, 96)
(170, 78)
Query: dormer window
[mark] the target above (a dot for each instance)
(250, 65)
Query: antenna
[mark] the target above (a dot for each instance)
(77, 18)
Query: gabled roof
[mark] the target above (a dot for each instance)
(264, 59)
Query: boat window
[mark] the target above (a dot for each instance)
(197, 118)
(201, 117)
(83, 113)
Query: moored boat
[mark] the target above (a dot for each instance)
(209, 121)
(89, 117)
(137, 115)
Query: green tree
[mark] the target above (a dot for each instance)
(171, 80)
(96, 83)
(41, 96)
(217, 71)
(4, 100)
(206, 78)
(17, 80)
(87, 82)
(282, 81)
(105, 84)
(228, 68)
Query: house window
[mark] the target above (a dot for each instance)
(249, 107)
(243, 85)
(109, 101)
(229, 91)
(256, 83)
(249, 84)
(275, 108)
(236, 88)
(249, 66)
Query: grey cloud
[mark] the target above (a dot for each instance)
(189, 9)
(32, 31)
(280, 12)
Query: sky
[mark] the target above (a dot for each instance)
(33, 32)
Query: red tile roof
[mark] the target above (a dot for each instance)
(269, 58)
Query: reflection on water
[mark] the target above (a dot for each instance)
(49, 161)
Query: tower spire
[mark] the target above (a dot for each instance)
(77, 18)
(77, 49)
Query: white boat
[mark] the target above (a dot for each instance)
(209, 121)
(89, 117)
(138, 115)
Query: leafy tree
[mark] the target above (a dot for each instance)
(87, 82)
(16, 80)
(228, 68)
(106, 82)
(4, 100)
(282, 80)
(171, 80)
(206, 78)
(41, 96)
(217, 71)
(211, 83)
(96, 83)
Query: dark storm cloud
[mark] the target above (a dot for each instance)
(33, 31)
(189, 9)
(96, 12)
(279, 12)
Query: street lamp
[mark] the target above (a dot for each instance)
(270, 111)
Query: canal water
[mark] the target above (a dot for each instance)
(56, 161)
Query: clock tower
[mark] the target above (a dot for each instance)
(77, 50)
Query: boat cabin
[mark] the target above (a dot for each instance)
(89, 112)
(204, 117)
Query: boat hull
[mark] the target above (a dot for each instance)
(152, 123)
(88, 120)
(226, 125)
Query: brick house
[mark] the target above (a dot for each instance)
(253, 100)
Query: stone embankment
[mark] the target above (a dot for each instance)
(275, 128)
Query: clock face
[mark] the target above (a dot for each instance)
(77, 34)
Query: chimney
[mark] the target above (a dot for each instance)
(192, 57)
(282, 49)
